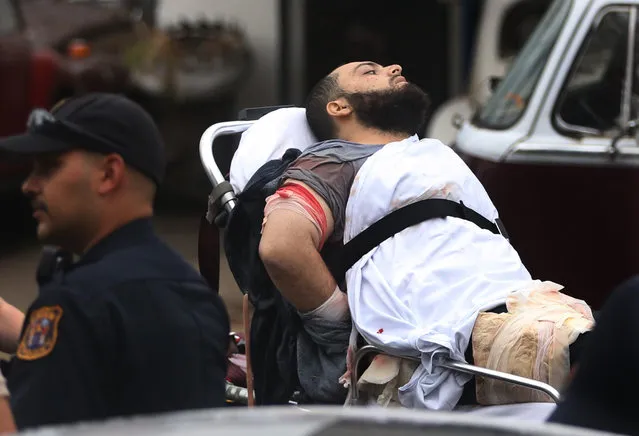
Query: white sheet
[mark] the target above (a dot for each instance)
(268, 139)
(419, 292)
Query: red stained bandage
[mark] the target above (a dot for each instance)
(297, 198)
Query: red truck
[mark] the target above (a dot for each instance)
(47, 53)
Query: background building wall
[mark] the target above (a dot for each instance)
(259, 19)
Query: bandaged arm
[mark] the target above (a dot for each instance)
(292, 236)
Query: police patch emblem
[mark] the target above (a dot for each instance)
(40, 334)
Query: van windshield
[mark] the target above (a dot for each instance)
(510, 99)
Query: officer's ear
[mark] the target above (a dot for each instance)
(110, 173)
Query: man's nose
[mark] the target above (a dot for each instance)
(395, 70)
(28, 186)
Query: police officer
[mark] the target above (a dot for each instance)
(129, 327)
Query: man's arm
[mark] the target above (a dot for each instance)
(11, 320)
(7, 424)
(289, 249)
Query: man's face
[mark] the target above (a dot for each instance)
(63, 198)
(367, 77)
(382, 98)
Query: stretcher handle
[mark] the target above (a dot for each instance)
(208, 161)
(455, 366)
(503, 376)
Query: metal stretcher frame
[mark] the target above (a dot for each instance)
(459, 367)
(226, 201)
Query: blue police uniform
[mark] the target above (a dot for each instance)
(131, 328)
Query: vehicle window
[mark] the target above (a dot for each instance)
(8, 18)
(510, 99)
(591, 100)
(520, 20)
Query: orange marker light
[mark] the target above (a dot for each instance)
(78, 49)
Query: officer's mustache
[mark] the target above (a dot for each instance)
(39, 205)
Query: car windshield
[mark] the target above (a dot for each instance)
(510, 99)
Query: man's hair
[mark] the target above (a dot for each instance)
(320, 122)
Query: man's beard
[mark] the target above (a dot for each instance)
(395, 110)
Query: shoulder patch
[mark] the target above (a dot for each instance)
(40, 334)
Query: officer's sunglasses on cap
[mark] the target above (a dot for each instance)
(43, 123)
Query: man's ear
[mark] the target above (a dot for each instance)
(112, 173)
(339, 108)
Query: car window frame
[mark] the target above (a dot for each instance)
(484, 116)
(507, 20)
(580, 132)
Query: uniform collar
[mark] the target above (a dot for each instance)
(133, 233)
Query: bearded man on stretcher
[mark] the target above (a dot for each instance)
(444, 287)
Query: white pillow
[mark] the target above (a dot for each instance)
(268, 139)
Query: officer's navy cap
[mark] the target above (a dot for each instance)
(99, 122)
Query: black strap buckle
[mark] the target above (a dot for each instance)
(501, 228)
